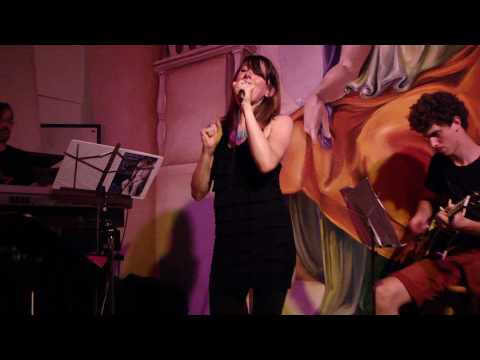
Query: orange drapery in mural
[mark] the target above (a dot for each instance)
(373, 139)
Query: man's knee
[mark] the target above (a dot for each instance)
(384, 293)
(390, 292)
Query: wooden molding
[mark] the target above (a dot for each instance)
(198, 54)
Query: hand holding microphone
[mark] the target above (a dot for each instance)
(243, 89)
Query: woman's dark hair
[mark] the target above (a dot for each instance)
(270, 106)
(437, 108)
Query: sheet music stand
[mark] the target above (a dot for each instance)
(107, 187)
(108, 246)
(371, 221)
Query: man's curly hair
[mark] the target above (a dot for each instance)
(437, 108)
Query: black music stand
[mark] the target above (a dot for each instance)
(370, 220)
(107, 248)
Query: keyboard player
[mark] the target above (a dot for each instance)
(16, 167)
(39, 273)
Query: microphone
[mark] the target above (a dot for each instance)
(241, 93)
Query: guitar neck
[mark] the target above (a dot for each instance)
(459, 206)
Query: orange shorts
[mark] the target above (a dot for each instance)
(427, 279)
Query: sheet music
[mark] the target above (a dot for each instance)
(132, 173)
(369, 212)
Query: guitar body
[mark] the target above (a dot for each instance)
(436, 244)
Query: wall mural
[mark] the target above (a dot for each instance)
(364, 132)
(357, 128)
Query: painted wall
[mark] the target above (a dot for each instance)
(120, 94)
(300, 70)
(60, 78)
(44, 84)
(195, 96)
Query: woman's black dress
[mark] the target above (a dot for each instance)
(254, 244)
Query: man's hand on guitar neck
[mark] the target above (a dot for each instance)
(457, 222)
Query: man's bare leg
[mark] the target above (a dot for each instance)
(390, 295)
